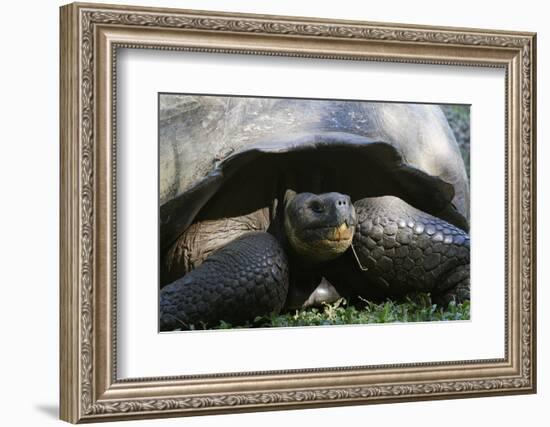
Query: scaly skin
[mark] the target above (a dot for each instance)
(246, 278)
(407, 250)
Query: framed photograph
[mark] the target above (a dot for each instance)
(266, 212)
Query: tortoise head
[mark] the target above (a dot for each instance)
(319, 227)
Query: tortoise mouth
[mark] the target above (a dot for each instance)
(323, 243)
(335, 233)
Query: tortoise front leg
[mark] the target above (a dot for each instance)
(246, 278)
(401, 249)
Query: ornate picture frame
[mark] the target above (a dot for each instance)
(91, 36)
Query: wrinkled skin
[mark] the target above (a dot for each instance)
(319, 227)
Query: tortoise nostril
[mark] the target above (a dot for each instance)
(316, 207)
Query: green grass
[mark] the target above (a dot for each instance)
(419, 309)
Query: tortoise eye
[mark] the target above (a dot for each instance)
(316, 207)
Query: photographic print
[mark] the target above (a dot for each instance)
(279, 212)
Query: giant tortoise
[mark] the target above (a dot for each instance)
(265, 201)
